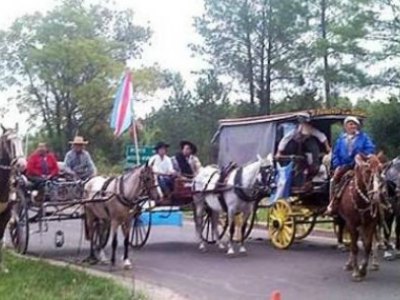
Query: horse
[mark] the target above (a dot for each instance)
(359, 206)
(236, 196)
(11, 155)
(391, 189)
(123, 193)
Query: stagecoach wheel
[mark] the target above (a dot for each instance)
(282, 225)
(346, 234)
(101, 234)
(19, 224)
(206, 226)
(141, 227)
(304, 225)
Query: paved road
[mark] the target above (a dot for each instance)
(311, 269)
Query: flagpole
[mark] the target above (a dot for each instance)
(135, 138)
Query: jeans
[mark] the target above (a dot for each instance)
(166, 183)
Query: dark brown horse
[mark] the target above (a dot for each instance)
(359, 207)
(10, 151)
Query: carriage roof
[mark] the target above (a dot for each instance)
(241, 139)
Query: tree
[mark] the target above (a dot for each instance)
(67, 63)
(339, 27)
(257, 42)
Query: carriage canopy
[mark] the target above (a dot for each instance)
(241, 140)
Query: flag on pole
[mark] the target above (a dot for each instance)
(122, 113)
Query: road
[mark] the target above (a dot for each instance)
(311, 269)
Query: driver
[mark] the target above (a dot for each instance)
(42, 165)
(304, 139)
(78, 161)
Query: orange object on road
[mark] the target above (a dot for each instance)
(276, 295)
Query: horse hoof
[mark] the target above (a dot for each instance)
(127, 264)
(389, 256)
(91, 260)
(348, 267)
(341, 247)
(221, 246)
(363, 272)
(230, 252)
(357, 278)
(374, 267)
(242, 250)
(202, 248)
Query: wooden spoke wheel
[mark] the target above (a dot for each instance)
(101, 234)
(141, 227)
(282, 225)
(304, 224)
(206, 226)
(19, 223)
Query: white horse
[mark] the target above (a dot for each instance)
(236, 198)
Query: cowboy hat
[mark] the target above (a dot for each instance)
(78, 140)
(160, 145)
(190, 144)
(351, 119)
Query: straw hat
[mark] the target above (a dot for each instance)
(78, 140)
(351, 119)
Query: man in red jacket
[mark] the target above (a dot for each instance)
(42, 165)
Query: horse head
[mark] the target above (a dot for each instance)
(149, 183)
(367, 172)
(11, 143)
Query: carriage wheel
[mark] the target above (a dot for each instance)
(206, 226)
(141, 227)
(304, 226)
(282, 225)
(346, 234)
(101, 234)
(19, 225)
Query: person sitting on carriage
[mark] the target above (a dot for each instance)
(162, 166)
(304, 139)
(351, 142)
(42, 166)
(78, 161)
(185, 162)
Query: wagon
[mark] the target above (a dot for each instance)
(59, 200)
(292, 217)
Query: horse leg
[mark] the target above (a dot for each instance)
(126, 231)
(341, 224)
(215, 221)
(354, 254)
(90, 224)
(375, 246)
(231, 226)
(198, 211)
(397, 232)
(4, 218)
(246, 215)
(367, 237)
(114, 243)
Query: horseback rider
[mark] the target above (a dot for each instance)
(162, 165)
(185, 162)
(304, 139)
(351, 142)
(78, 161)
(42, 166)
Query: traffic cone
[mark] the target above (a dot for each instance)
(276, 295)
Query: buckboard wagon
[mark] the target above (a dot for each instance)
(293, 217)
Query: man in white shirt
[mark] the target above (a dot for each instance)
(163, 167)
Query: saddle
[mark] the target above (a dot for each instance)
(342, 184)
(225, 172)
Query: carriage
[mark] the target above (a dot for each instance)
(292, 217)
(60, 199)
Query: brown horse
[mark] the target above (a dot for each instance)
(124, 194)
(10, 152)
(359, 207)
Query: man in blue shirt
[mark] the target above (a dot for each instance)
(350, 143)
(78, 161)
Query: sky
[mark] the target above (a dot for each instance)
(170, 20)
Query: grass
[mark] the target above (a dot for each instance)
(37, 280)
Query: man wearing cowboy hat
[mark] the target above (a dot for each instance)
(161, 164)
(185, 162)
(351, 142)
(78, 161)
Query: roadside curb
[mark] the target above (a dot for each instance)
(150, 291)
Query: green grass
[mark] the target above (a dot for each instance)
(36, 280)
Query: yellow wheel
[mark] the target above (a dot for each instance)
(282, 225)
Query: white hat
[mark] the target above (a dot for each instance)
(351, 119)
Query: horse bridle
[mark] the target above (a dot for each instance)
(147, 182)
